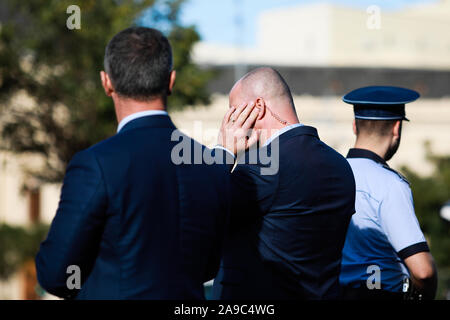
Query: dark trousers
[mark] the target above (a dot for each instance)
(363, 293)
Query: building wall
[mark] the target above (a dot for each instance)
(12, 288)
(15, 211)
(14, 200)
(300, 35)
(337, 81)
(334, 36)
(406, 39)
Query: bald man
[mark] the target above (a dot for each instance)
(288, 224)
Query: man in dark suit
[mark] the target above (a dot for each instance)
(134, 221)
(285, 240)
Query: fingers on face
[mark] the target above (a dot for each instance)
(250, 121)
(239, 109)
(228, 114)
(245, 113)
(238, 112)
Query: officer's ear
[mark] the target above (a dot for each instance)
(355, 131)
(397, 129)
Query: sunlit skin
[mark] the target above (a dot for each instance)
(385, 146)
(263, 90)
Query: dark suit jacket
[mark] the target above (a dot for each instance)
(137, 225)
(287, 230)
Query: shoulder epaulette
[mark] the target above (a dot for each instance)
(397, 173)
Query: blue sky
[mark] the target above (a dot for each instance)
(215, 19)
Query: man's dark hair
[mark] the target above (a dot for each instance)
(138, 61)
(374, 127)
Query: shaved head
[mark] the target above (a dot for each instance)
(266, 83)
(271, 95)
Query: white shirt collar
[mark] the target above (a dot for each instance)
(281, 131)
(137, 115)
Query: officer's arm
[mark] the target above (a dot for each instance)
(423, 273)
(400, 224)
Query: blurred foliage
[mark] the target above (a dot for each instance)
(18, 245)
(430, 194)
(59, 69)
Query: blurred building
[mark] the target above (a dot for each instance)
(322, 34)
(323, 51)
(22, 203)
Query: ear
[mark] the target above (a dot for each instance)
(106, 83)
(261, 105)
(173, 75)
(354, 127)
(396, 129)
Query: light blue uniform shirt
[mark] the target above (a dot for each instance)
(384, 230)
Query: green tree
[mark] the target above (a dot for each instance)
(17, 245)
(430, 194)
(59, 69)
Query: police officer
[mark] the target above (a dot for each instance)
(385, 253)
